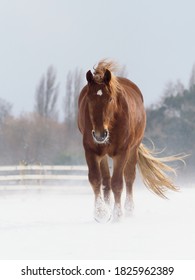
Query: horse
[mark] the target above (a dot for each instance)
(112, 121)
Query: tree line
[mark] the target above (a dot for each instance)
(39, 137)
(171, 122)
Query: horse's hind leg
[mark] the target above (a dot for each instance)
(129, 173)
(106, 180)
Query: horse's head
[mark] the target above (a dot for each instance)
(101, 105)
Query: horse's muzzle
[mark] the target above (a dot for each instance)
(101, 137)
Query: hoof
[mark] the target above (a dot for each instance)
(103, 220)
(117, 213)
(129, 207)
(102, 213)
(128, 213)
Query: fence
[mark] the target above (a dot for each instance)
(38, 173)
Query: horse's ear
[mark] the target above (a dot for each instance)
(107, 77)
(89, 77)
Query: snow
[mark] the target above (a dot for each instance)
(57, 223)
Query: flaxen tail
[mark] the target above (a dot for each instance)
(153, 171)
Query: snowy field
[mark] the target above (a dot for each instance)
(57, 223)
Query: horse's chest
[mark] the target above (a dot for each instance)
(113, 149)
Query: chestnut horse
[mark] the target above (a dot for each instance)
(112, 120)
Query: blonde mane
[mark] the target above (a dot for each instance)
(100, 70)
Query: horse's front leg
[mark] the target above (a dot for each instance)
(117, 184)
(101, 211)
(106, 180)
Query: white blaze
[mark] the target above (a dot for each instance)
(99, 92)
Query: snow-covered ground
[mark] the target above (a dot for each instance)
(58, 224)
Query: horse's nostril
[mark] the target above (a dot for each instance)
(105, 133)
(100, 137)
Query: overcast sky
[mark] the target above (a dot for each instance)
(155, 39)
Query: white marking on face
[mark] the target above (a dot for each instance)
(99, 92)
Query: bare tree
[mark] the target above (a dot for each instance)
(46, 95)
(179, 88)
(192, 78)
(5, 110)
(74, 84)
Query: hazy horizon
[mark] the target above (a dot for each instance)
(153, 39)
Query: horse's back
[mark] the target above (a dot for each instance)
(133, 107)
(130, 87)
